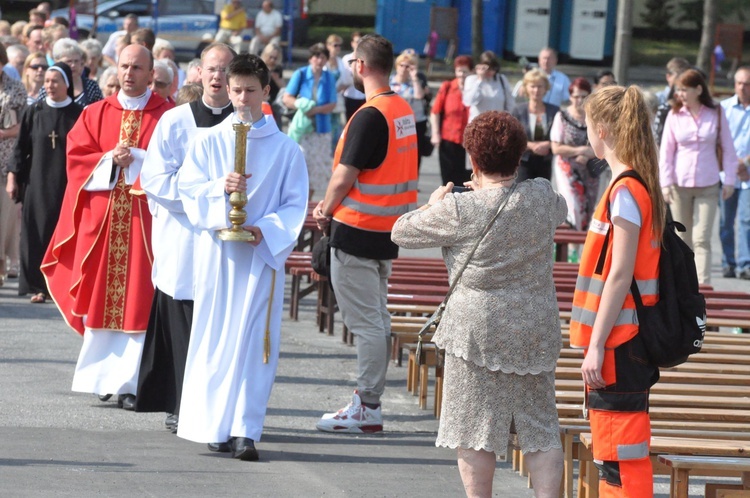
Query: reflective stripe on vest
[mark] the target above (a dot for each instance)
(595, 285)
(590, 285)
(586, 317)
(376, 210)
(380, 195)
(386, 189)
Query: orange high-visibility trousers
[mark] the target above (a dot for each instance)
(620, 443)
(620, 425)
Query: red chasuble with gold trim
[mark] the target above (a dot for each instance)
(98, 263)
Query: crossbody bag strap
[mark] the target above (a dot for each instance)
(719, 149)
(476, 245)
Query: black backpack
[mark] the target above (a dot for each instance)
(673, 328)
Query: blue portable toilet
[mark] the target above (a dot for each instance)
(495, 16)
(532, 25)
(588, 29)
(406, 23)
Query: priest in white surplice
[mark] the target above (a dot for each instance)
(227, 384)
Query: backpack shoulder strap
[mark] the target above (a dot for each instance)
(603, 254)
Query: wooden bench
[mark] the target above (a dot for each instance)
(572, 428)
(700, 398)
(682, 465)
(588, 478)
(417, 377)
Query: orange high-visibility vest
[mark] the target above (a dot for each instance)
(590, 283)
(379, 196)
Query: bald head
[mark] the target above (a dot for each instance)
(135, 70)
(742, 85)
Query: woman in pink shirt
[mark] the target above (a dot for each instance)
(689, 165)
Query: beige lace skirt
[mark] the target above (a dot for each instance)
(479, 406)
(316, 148)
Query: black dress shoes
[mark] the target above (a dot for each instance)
(220, 447)
(244, 449)
(126, 401)
(171, 421)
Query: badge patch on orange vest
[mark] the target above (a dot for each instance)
(598, 226)
(405, 126)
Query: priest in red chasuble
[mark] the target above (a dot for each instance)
(98, 265)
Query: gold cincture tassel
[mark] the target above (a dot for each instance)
(267, 336)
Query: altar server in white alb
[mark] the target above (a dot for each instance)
(165, 347)
(239, 286)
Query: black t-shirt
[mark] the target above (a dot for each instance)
(274, 87)
(365, 147)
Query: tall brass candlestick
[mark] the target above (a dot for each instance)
(238, 200)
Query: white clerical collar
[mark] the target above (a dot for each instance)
(215, 110)
(57, 105)
(133, 103)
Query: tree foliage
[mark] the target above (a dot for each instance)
(691, 12)
(658, 15)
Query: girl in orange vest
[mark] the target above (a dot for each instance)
(622, 246)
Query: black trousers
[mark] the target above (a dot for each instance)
(452, 157)
(535, 167)
(164, 353)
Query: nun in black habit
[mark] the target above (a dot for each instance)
(37, 176)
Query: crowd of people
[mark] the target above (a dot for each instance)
(703, 145)
(119, 170)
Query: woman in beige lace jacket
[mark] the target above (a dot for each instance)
(500, 330)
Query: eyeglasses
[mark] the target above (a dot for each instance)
(37, 67)
(213, 70)
(578, 96)
(351, 61)
(162, 84)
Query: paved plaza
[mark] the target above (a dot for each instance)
(54, 442)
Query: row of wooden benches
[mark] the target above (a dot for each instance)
(422, 281)
(706, 398)
(701, 400)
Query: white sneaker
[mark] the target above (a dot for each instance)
(354, 418)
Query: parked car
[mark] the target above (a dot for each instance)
(182, 22)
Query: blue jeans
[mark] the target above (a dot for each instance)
(737, 206)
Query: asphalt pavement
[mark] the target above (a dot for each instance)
(54, 442)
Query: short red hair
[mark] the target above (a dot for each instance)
(581, 83)
(463, 60)
(495, 141)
